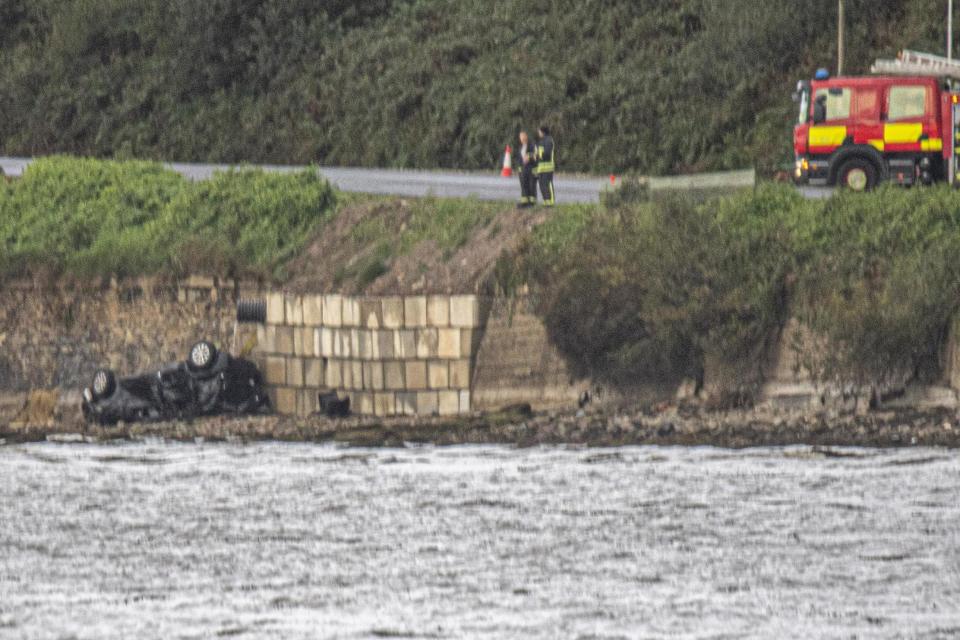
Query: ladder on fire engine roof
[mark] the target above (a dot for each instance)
(914, 63)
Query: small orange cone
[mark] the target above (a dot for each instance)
(507, 165)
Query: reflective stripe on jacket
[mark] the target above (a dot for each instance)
(545, 156)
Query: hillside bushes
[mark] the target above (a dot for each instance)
(92, 217)
(646, 292)
(653, 86)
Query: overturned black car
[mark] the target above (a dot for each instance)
(209, 382)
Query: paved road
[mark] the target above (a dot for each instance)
(397, 182)
(485, 186)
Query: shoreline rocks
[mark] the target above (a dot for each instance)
(518, 426)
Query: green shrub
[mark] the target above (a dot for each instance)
(880, 280)
(94, 217)
(660, 86)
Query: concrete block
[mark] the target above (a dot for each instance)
(351, 312)
(371, 313)
(365, 344)
(362, 402)
(286, 401)
(334, 374)
(460, 374)
(438, 374)
(313, 310)
(325, 336)
(346, 343)
(392, 312)
(284, 341)
(332, 310)
(298, 341)
(464, 311)
(405, 344)
(341, 345)
(294, 372)
(313, 373)
(406, 403)
(356, 374)
(466, 342)
(415, 311)
(198, 282)
(354, 343)
(393, 375)
(427, 343)
(384, 404)
(465, 402)
(266, 338)
(276, 370)
(307, 402)
(448, 343)
(373, 376)
(448, 403)
(275, 308)
(272, 394)
(311, 343)
(383, 349)
(428, 403)
(438, 311)
(415, 373)
(294, 310)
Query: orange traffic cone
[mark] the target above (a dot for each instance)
(507, 165)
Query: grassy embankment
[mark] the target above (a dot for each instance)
(630, 290)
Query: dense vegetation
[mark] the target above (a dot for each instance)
(650, 290)
(632, 290)
(89, 217)
(652, 86)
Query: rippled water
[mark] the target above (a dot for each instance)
(158, 540)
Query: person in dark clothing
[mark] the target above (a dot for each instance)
(546, 165)
(526, 161)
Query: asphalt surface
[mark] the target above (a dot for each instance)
(414, 183)
(484, 186)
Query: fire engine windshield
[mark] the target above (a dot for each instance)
(802, 96)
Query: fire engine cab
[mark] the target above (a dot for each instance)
(902, 125)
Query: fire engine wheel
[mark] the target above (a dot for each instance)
(858, 174)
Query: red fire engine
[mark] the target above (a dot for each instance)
(898, 126)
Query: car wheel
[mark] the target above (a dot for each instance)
(858, 174)
(252, 311)
(202, 356)
(104, 384)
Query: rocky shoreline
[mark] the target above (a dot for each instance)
(518, 426)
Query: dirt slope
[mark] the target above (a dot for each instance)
(398, 246)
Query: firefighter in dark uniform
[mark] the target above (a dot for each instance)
(546, 164)
(526, 160)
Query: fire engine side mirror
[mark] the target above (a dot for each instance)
(820, 109)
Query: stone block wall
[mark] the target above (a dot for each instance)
(57, 336)
(391, 355)
(517, 363)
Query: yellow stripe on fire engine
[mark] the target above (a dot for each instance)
(827, 136)
(933, 144)
(903, 133)
(876, 144)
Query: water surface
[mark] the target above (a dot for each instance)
(271, 540)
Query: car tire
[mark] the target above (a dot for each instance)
(202, 356)
(251, 311)
(104, 384)
(857, 174)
